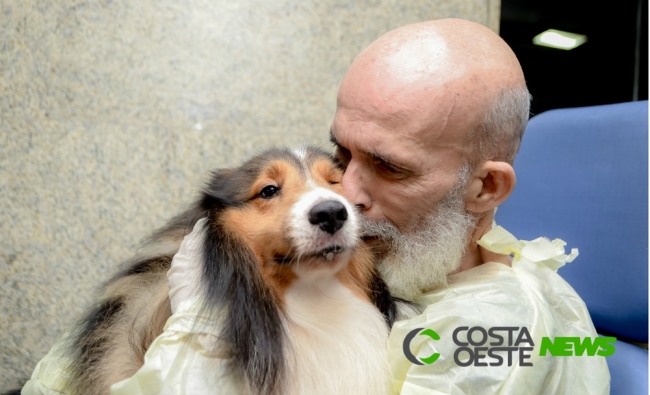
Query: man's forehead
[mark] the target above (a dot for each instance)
(424, 118)
(428, 113)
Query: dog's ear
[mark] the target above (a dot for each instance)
(252, 329)
(223, 190)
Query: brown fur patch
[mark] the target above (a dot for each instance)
(358, 273)
(261, 224)
(327, 174)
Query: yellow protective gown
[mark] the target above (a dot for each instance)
(529, 294)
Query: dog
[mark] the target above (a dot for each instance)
(305, 311)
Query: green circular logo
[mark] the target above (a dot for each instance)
(407, 346)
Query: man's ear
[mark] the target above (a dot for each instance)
(490, 185)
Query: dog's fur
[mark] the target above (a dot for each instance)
(298, 300)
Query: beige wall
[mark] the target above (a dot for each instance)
(113, 111)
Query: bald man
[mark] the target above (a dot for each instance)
(432, 114)
(428, 122)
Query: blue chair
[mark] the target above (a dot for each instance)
(583, 177)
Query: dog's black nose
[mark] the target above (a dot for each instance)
(329, 215)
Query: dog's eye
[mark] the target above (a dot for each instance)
(269, 191)
(332, 182)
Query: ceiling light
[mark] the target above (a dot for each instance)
(558, 39)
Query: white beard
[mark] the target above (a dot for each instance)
(421, 258)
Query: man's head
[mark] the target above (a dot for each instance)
(429, 119)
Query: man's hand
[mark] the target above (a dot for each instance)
(184, 276)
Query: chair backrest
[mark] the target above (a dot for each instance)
(582, 176)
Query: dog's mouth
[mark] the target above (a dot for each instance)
(329, 253)
(326, 254)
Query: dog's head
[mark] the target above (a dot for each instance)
(286, 207)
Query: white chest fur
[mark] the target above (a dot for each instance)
(337, 341)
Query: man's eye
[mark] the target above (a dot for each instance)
(386, 167)
(269, 191)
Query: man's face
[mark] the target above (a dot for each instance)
(406, 169)
(400, 160)
(419, 214)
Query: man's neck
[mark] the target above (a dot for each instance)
(477, 255)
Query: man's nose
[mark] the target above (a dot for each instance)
(354, 187)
